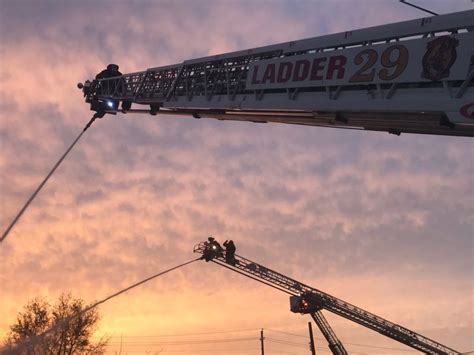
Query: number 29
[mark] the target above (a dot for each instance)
(370, 56)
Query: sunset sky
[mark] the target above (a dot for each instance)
(381, 221)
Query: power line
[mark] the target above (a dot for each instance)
(288, 342)
(381, 347)
(271, 340)
(354, 344)
(287, 333)
(186, 334)
(140, 343)
(187, 342)
(419, 7)
(205, 351)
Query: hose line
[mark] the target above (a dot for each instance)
(36, 339)
(38, 189)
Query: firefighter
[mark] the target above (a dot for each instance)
(229, 252)
(212, 249)
(216, 247)
(100, 106)
(111, 71)
(207, 254)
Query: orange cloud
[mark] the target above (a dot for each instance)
(377, 220)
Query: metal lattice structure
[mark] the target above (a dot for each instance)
(335, 345)
(329, 303)
(414, 76)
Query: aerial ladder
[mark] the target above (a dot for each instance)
(305, 299)
(414, 76)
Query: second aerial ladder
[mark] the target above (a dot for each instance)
(307, 299)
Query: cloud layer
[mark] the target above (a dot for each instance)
(384, 222)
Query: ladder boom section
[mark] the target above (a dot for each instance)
(414, 76)
(334, 343)
(326, 301)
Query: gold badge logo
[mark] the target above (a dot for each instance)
(439, 58)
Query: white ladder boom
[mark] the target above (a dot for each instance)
(414, 76)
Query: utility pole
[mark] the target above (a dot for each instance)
(311, 339)
(261, 341)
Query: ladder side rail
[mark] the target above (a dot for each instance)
(153, 83)
(196, 83)
(135, 85)
(175, 81)
(334, 343)
(329, 302)
(151, 88)
(370, 320)
(268, 275)
(338, 306)
(400, 30)
(219, 65)
(196, 75)
(105, 87)
(248, 267)
(377, 323)
(254, 277)
(275, 280)
(149, 84)
(212, 75)
(384, 37)
(165, 87)
(132, 83)
(117, 87)
(156, 84)
(108, 87)
(239, 78)
(391, 332)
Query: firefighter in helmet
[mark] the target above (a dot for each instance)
(111, 71)
(229, 252)
(212, 249)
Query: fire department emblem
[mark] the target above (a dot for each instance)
(467, 110)
(439, 58)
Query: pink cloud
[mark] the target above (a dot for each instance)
(368, 217)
